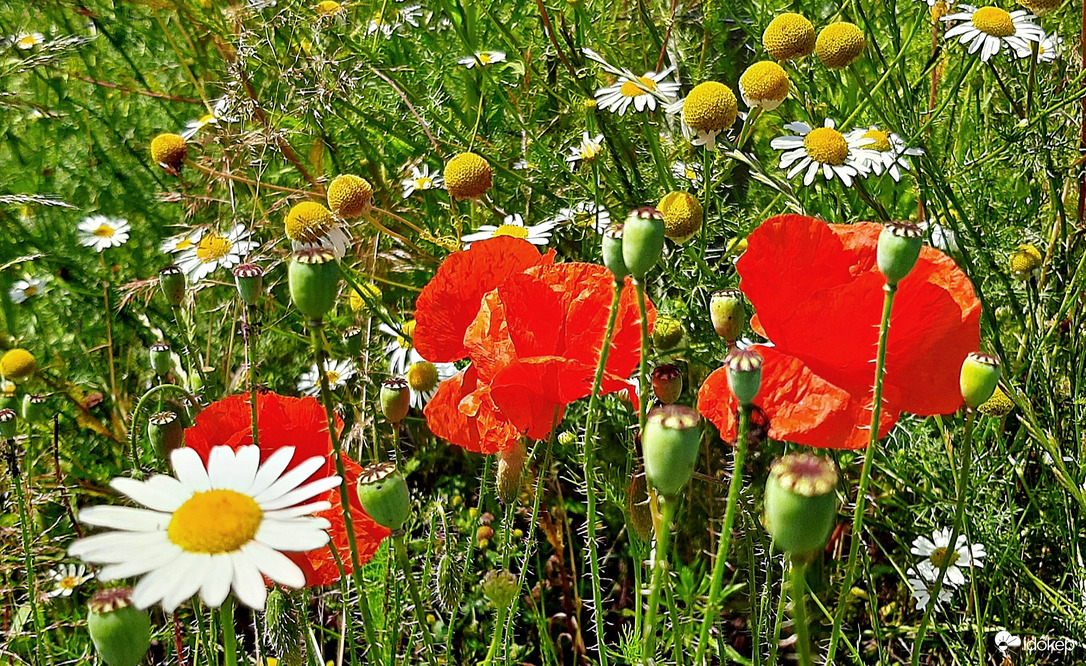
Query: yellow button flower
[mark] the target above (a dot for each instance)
(789, 37)
(468, 176)
(839, 44)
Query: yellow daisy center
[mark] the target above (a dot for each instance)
(882, 140)
(422, 377)
(944, 555)
(17, 364)
(358, 303)
(308, 222)
(839, 44)
(484, 58)
(349, 196)
(691, 174)
(27, 41)
(329, 8)
(30, 290)
(408, 330)
(765, 80)
(423, 183)
(216, 521)
(993, 21)
(213, 247)
(468, 176)
(590, 150)
(511, 230)
(332, 376)
(998, 405)
(683, 215)
(789, 36)
(68, 582)
(631, 89)
(104, 231)
(826, 146)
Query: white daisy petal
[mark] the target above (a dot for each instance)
(216, 583)
(290, 480)
(248, 584)
(271, 470)
(160, 492)
(301, 493)
(274, 565)
(124, 518)
(190, 469)
(286, 536)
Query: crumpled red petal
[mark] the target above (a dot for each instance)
(462, 412)
(298, 422)
(450, 301)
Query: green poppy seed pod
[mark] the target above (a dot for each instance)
(800, 505)
(667, 333)
(639, 517)
(642, 240)
(249, 279)
(9, 394)
(898, 249)
(728, 312)
(34, 408)
(166, 433)
(8, 423)
(395, 399)
(979, 378)
(500, 588)
(511, 471)
(159, 354)
(172, 282)
(670, 443)
(352, 340)
(612, 250)
(121, 633)
(383, 493)
(667, 383)
(314, 280)
(744, 374)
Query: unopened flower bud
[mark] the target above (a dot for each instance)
(728, 312)
(800, 505)
(483, 535)
(249, 279)
(667, 383)
(670, 442)
(121, 633)
(166, 433)
(383, 493)
(500, 588)
(159, 355)
(612, 250)
(511, 471)
(314, 280)
(8, 423)
(744, 374)
(642, 240)
(352, 340)
(979, 378)
(667, 333)
(898, 249)
(395, 399)
(34, 408)
(172, 283)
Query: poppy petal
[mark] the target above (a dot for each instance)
(463, 413)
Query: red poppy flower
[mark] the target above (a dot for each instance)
(301, 423)
(818, 296)
(462, 412)
(449, 302)
(537, 338)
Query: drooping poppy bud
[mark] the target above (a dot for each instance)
(667, 333)
(314, 280)
(670, 443)
(728, 312)
(172, 283)
(500, 588)
(898, 249)
(642, 240)
(249, 279)
(511, 471)
(612, 250)
(34, 408)
(121, 633)
(800, 505)
(166, 433)
(744, 374)
(352, 340)
(8, 423)
(395, 399)
(159, 355)
(979, 378)
(383, 493)
(667, 383)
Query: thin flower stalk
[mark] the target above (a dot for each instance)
(400, 547)
(659, 573)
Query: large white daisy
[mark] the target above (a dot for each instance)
(211, 528)
(986, 29)
(512, 225)
(811, 150)
(101, 232)
(216, 251)
(888, 152)
(338, 374)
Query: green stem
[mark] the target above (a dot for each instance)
(724, 545)
(799, 612)
(134, 427)
(190, 346)
(1035, 50)
(484, 485)
(659, 572)
(495, 641)
(250, 361)
(643, 388)
(24, 530)
(959, 516)
(348, 521)
(229, 635)
(865, 474)
(590, 429)
(420, 613)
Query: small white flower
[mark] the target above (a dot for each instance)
(522, 165)
(886, 153)
(1048, 50)
(27, 40)
(918, 580)
(823, 149)
(67, 577)
(986, 29)
(940, 237)
(585, 214)
(211, 528)
(182, 242)
(101, 232)
(643, 92)
(512, 225)
(482, 58)
(938, 552)
(424, 378)
(218, 113)
(392, 19)
(687, 171)
(214, 251)
(23, 290)
(338, 373)
(421, 180)
(587, 151)
(400, 350)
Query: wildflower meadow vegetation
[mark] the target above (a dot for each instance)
(542, 332)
